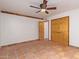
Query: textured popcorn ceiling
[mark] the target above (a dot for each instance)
(22, 6)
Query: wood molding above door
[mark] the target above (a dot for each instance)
(7, 12)
(60, 31)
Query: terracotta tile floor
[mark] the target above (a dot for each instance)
(38, 50)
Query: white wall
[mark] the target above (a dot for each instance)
(74, 25)
(46, 30)
(15, 29)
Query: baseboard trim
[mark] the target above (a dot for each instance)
(18, 43)
(74, 46)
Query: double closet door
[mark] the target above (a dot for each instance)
(60, 31)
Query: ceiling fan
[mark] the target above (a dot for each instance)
(43, 7)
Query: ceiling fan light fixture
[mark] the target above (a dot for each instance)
(43, 7)
(43, 10)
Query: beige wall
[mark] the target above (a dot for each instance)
(15, 29)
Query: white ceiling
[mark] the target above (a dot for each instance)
(22, 6)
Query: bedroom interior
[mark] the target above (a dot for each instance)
(39, 29)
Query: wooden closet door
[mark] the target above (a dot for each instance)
(60, 31)
(41, 30)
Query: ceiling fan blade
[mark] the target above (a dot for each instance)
(51, 8)
(46, 12)
(34, 7)
(38, 11)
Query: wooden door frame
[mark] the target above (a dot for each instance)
(48, 27)
(68, 26)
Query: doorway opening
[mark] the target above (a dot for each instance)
(46, 30)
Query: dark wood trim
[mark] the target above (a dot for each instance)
(21, 15)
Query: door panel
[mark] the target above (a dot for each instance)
(41, 30)
(60, 31)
